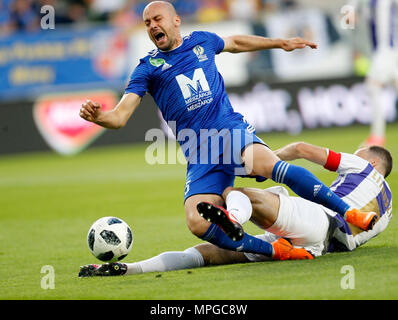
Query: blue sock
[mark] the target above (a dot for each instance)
(248, 244)
(307, 186)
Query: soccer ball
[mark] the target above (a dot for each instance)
(110, 239)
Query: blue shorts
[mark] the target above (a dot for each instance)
(216, 165)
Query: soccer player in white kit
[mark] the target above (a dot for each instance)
(382, 19)
(360, 182)
(297, 228)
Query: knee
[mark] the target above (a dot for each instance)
(259, 160)
(196, 224)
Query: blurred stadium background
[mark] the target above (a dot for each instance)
(55, 54)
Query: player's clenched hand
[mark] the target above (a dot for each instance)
(297, 43)
(90, 111)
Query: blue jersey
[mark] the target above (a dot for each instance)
(186, 84)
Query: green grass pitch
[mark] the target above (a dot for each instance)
(48, 202)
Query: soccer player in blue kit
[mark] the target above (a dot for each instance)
(182, 77)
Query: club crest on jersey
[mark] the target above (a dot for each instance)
(160, 62)
(199, 51)
(156, 62)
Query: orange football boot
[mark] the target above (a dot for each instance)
(362, 220)
(283, 250)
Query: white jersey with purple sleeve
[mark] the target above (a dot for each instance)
(362, 187)
(381, 16)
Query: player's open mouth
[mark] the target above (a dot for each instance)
(159, 36)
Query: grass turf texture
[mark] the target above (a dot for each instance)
(48, 203)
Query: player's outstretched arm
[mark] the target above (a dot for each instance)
(303, 150)
(247, 43)
(112, 119)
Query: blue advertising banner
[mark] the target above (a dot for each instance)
(62, 59)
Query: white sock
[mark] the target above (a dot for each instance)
(239, 206)
(167, 261)
(378, 124)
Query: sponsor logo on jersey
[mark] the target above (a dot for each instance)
(199, 51)
(196, 91)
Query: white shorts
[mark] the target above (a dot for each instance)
(303, 222)
(384, 66)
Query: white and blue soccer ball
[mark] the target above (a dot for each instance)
(110, 239)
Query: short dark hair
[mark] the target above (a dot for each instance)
(385, 157)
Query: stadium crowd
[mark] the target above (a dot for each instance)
(24, 15)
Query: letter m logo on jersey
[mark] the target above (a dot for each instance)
(192, 87)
